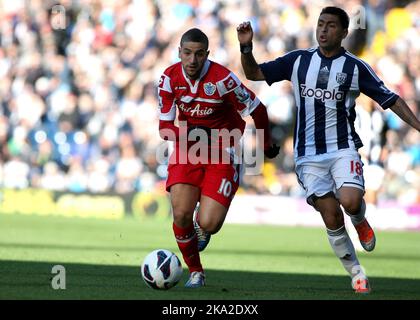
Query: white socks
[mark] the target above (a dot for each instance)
(344, 249)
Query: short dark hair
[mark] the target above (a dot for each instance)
(342, 15)
(195, 35)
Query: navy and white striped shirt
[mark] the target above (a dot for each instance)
(325, 90)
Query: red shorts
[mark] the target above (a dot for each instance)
(217, 181)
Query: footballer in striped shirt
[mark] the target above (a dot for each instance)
(326, 81)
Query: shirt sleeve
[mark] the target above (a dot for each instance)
(373, 87)
(281, 68)
(234, 91)
(167, 110)
(167, 107)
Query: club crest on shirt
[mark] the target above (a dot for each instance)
(209, 88)
(341, 77)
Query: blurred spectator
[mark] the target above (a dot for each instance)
(78, 108)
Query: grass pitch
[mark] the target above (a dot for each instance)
(243, 262)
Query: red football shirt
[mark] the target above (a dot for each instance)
(216, 100)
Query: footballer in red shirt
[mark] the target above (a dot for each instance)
(204, 167)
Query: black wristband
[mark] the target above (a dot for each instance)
(246, 48)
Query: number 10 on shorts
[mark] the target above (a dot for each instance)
(356, 166)
(225, 188)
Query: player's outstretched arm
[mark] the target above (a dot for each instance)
(251, 69)
(401, 109)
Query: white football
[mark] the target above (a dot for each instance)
(161, 269)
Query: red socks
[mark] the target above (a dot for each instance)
(186, 239)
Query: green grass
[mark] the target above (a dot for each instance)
(102, 261)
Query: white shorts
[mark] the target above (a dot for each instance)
(328, 172)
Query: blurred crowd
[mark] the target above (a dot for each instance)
(78, 100)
